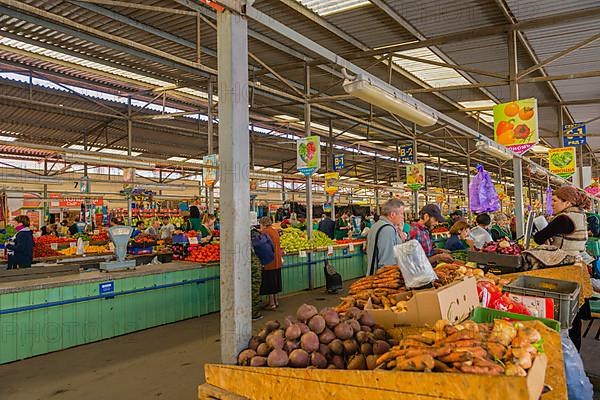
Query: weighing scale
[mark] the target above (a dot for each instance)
(119, 235)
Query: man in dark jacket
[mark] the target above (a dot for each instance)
(20, 247)
(327, 226)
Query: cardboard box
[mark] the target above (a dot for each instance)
(425, 307)
(537, 306)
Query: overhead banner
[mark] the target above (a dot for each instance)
(338, 162)
(332, 183)
(405, 153)
(415, 176)
(308, 155)
(574, 134)
(562, 161)
(516, 125)
(210, 175)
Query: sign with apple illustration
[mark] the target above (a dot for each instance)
(308, 155)
(516, 124)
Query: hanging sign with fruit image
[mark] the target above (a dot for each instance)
(308, 155)
(562, 161)
(516, 125)
(415, 176)
(332, 180)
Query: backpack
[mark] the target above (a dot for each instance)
(264, 248)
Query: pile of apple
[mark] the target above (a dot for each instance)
(503, 246)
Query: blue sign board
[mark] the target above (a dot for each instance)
(406, 153)
(106, 287)
(338, 162)
(574, 134)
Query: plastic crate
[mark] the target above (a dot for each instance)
(593, 247)
(496, 263)
(564, 293)
(139, 250)
(481, 315)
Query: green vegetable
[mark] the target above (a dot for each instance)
(561, 159)
(539, 345)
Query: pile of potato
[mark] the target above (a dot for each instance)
(315, 339)
(500, 348)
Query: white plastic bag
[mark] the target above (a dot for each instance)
(414, 264)
(579, 386)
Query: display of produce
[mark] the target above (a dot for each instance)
(498, 348)
(347, 241)
(503, 246)
(450, 272)
(381, 288)
(313, 339)
(71, 251)
(440, 229)
(203, 254)
(293, 240)
(321, 239)
(49, 239)
(43, 250)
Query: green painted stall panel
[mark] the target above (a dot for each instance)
(294, 274)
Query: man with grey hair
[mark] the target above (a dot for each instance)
(383, 236)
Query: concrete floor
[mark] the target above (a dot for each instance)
(159, 363)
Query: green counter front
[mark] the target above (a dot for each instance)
(44, 315)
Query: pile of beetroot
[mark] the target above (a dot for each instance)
(503, 246)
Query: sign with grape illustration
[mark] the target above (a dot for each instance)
(308, 155)
(415, 176)
(516, 125)
(562, 161)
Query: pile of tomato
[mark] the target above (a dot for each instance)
(346, 241)
(48, 239)
(100, 237)
(204, 254)
(42, 250)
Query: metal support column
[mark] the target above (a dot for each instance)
(416, 160)
(377, 183)
(307, 118)
(129, 141)
(232, 52)
(467, 194)
(517, 162)
(46, 201)
(210, 150)
(397, 161)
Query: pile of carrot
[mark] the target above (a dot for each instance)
(381, 288)
(388, 277)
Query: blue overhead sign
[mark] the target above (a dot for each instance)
(338, 162)
(574, 134)
(405, 153)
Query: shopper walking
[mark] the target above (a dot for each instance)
(383, 236)
(263, 252)
(429, 217)
(20, 247)
(271, 274)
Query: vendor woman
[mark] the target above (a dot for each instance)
(207, 227)
(568, 229)
(501, 228)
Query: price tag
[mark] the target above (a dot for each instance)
(96, 232)
(302, 253)
(351, 247)
(72, 244)
(111, 246)
(329, 250)
(54, 246)
(193, 240)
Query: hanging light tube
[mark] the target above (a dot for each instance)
(493, 151)
(126, 163)
(393, 101)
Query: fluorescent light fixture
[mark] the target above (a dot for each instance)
(395, 102)
(353, 136)
(494, 151)
(422, 154)
(93, 159)
(31, 179)
(120, 152)
(376, 141)
(328, 7)
(178, 159)
(7, 138)
(538, 148)
(194, 161)
(286, 118)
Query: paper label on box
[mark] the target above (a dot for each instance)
(351, 248)
(193, 240)
(96, 231)
(538, 307)
(54, 246)
(73, 244)
(111, 246)
(302, 254)
(329, 250)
